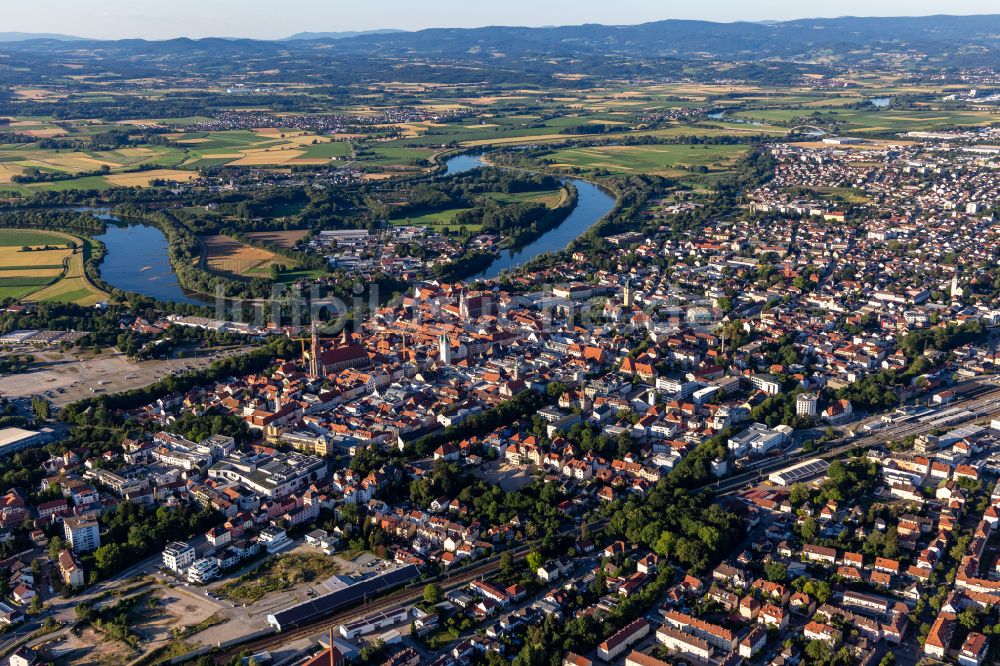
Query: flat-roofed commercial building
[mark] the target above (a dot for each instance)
(13, 440)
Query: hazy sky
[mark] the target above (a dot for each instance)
(269, 19)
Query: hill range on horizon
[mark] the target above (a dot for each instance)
(847, 29)
(346, 34)
(763, 51)
(15, 36)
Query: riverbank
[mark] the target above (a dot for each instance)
(593, 203)
(184, 253)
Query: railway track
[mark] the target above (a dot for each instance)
(410, 594)
(986, 406)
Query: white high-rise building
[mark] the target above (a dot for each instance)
(82, 534)
(178, 556)
(805, 404)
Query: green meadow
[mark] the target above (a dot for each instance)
(667, 159)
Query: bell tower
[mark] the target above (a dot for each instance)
(444, 349)
(463, 305)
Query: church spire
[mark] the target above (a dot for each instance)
(314, 352)
(463, 305)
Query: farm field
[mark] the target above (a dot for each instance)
(888, 120)
(261, 147)
(436, 221)
(286, 239)
(231, 257)
(505, 132)
(144, 178)
(337, 149)
(508, 140)
(296, 274)
(71, 162)
(715, 128)
(506, 129)
(506, 115)
(501, 120)
(49, 271)
(20, 159)
(395, 154)
(550, 198)
(655, 159)
(24, 272)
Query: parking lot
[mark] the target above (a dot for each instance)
(508, 477)
(65, 377)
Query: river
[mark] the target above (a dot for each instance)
(136, 260)
(136, 257)
(593, 203)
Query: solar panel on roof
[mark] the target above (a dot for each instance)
(332, 602)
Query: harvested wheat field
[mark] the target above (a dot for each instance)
(13, 258)
(144, 178)
(280, 238)
(229, 256)
(8, 171)
(266, 157)
(37, 94)
(46, 132)
(71, 162)
(309, 161)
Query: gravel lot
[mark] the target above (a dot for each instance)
(76, 373)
